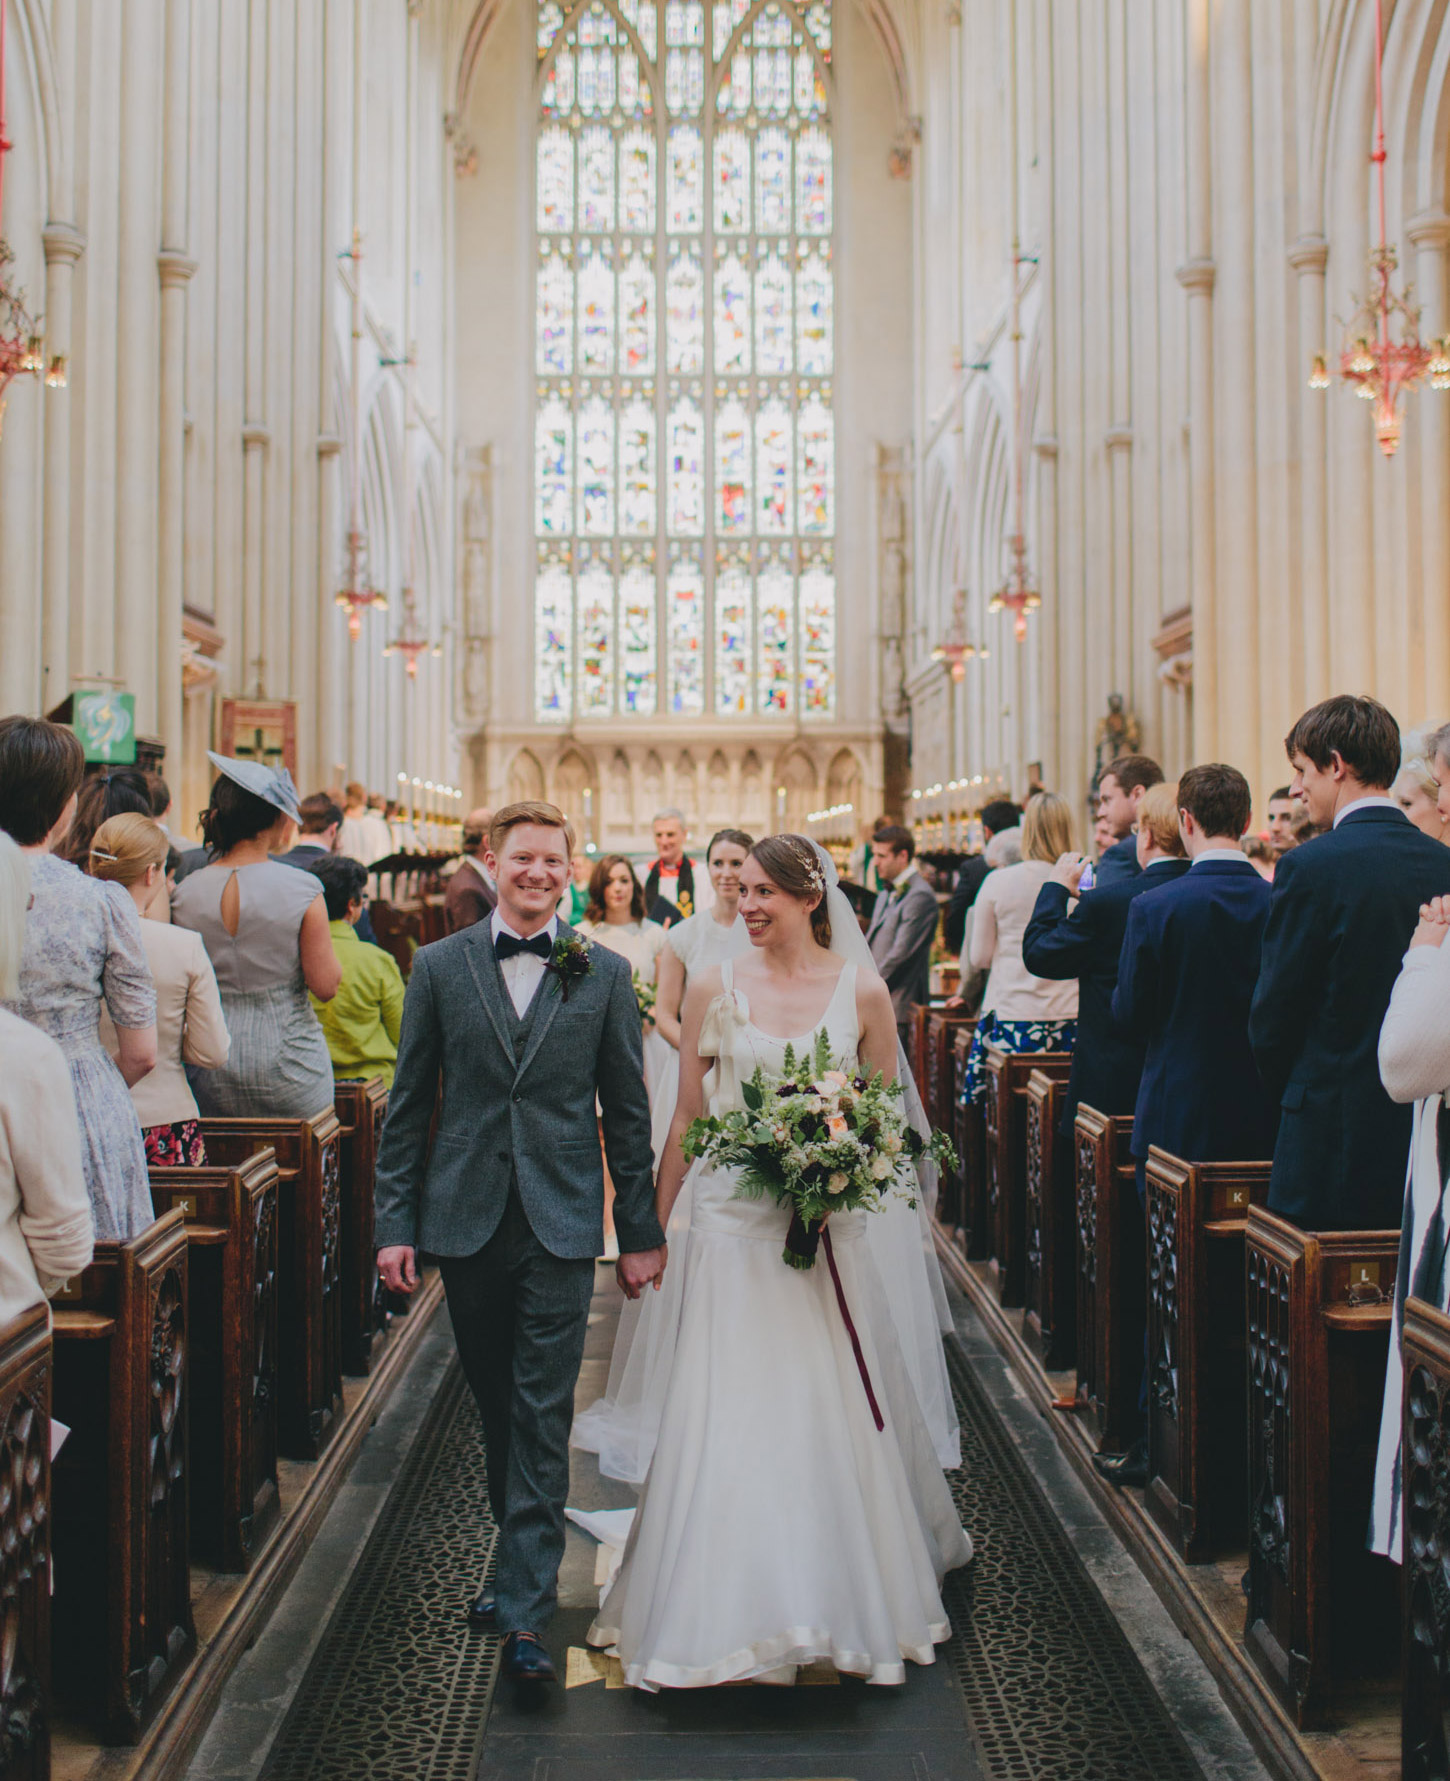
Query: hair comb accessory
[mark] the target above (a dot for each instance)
(99, 853)
(814, 876)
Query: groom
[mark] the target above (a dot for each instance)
(510, 1200)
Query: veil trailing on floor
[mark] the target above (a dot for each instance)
(623, 1425)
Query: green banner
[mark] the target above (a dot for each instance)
(105, 721)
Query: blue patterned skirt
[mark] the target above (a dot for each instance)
(1016, 1037)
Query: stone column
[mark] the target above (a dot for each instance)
(1308, 257)
(329, 623)
(1429, 234)
(64, 245)
(1196, 276)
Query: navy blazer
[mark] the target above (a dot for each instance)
(1087, 943)
(1185, 985)
(1118, 864)
(1344, 907)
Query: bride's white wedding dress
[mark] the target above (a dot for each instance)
(777, 1525)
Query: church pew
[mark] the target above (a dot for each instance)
(360, 1107)
(936, 1087)
(25, 1380)
(1321, 1607)
(1425, 1717)
(231, 1228)
(1051, 1240)
(121, 1611)
(1112, 1289)
(969, 1134)
(309, 1268)
(1006, 1151)
(1197, 1364)
(920, 1015)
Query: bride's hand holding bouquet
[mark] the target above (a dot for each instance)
(820, 1138)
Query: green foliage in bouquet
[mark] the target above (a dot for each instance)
(818, 1138)
(646, 995)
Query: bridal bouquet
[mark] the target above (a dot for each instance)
(820, 1140)
(645, 994)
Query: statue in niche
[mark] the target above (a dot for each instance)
(1119, 732)
(621, 805)
(718, 789)
(652, 782)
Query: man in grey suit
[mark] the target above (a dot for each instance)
(510, 1202)
(903, 924)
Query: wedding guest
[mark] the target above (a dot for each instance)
(863, 861)
(1279, 820)
(102, 795)
(903, 924)
(319, 823)
(190, 1027)
(615, 917)
(1414, 1062)
(575, 900)
(1120, 791)
(1083, 939)
(1344, 908)
(471, 894)
(994, 817)
(266, 931)
(47, 1233)
(83, 950)
(1416, 789)
(1185, 983)
(1261, 855)
(401, 833)
(706, 939)
(160, 802)
(361, 1021)
(672, 877)
(1021, 1012)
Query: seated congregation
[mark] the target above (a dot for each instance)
(1201, 1204)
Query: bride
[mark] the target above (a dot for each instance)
(778, 1526)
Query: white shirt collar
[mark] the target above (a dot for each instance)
(1374, 801)
(899, 882)
(1221, 853)
(500, 926)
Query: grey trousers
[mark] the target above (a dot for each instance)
(520, 1316)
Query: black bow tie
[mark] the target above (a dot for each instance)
(506, 946)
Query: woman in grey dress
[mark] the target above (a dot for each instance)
(82, 948)
(265, 929)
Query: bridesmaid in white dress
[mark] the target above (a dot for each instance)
(620, 1427)
(692, 946)
(615, 917)
(778, 1525)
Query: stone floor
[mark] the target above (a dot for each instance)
(1026, 1687)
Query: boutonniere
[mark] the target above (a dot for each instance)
(571, 959)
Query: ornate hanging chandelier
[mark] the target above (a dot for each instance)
(1018, 593)
(1383, 355)
(22, 345)
(355, 595)
(410, 643)
(955, 649)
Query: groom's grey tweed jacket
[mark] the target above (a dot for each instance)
(528, 1118)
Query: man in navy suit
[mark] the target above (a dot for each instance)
(1185, 985)
(1085, 941)
(1120, 791)
(1344, 907)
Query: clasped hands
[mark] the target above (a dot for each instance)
(1434, 922)
(398, 1269)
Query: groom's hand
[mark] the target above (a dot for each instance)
(643, 1268)
(398, 1266)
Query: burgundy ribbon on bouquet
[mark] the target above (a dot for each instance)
(851, 1330)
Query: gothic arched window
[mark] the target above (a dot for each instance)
(684, 459)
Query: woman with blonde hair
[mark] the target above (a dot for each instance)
(1416, 787)
(1020, 1012)
(46, 1230)
(131, 851)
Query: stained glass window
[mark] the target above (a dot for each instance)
(684, 454)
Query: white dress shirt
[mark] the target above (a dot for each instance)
(523, 973)
(1222, 853)
(1373, 802)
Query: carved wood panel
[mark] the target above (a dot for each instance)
(1425, 1746)
(25, 1547)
